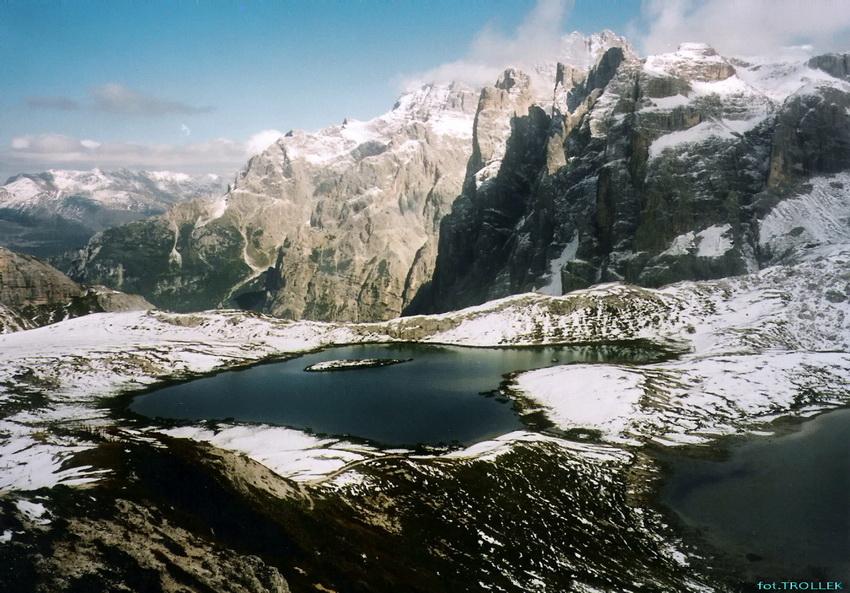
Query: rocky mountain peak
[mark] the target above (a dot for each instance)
(696, 49)
(576, 54)
(334, 224)
(583, 51)
(652, 171)
(512, 77)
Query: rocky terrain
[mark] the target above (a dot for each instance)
(34, 293)
(648, 171)
(340, 224)
(48, 213)
(76, 475)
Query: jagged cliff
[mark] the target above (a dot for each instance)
(647, 171)
(340, 224)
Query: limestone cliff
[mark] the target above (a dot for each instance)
(648, 171)
(340, 224)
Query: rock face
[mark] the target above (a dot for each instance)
(648, 171)
(48, 213)
(837, 65)
(341, 224)
(26, 280)
(33, 293)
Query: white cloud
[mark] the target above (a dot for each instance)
(536, 39)
(114, 97)
(56, 103)
(36, 152)
(750, 27)
(262, 140)
(117, 98)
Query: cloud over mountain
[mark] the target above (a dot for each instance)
(744, 28)
(536, 39)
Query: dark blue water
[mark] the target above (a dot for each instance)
(436, 398)
(780, 506)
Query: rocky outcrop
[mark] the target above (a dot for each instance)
(648, 171)
(48, 213)
(33, 293)
(10, 321)
(28, 281)
(837, 65)
(812, 135)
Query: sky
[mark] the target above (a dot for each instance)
(198, 86)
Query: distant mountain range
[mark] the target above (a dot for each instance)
(54, 211)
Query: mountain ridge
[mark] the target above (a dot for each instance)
(340, 224)
(33, 293)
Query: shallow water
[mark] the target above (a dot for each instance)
(436, 398)
(779, 506)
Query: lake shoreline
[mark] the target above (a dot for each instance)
(736, 560)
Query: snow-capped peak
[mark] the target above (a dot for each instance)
(691, 61)
(446, 111)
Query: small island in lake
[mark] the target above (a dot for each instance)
(348, 364)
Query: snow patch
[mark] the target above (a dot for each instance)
(29, 464)
(287, 452)
(33, 511)
(555, 287)
(667, 103)
(599, 397)
(721, 129)
(713, 241)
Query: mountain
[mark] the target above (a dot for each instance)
(340, 224)
(33, 293)
(51, 212)
(682, 166)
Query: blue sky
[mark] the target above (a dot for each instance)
(229, 69)
(194, 80)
